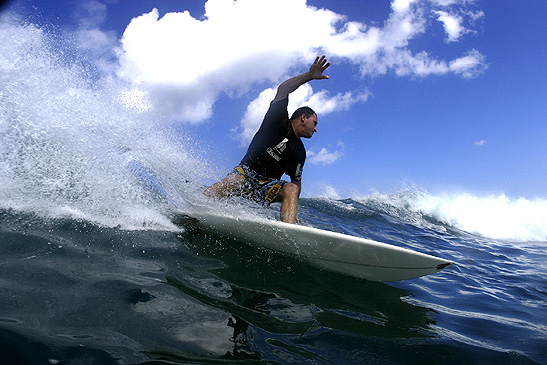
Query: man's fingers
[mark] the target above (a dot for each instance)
(322, 62)
(319, 66)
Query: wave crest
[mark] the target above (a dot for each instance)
(496, 217)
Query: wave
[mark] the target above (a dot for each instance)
(496, 217)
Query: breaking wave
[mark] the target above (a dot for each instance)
(497, 217)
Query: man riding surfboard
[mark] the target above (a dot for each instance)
(276, 149)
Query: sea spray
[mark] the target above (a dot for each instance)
(68, 141)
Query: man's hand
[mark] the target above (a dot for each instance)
(318, 67)
(315, 73)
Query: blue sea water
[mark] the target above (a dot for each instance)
(93, 271)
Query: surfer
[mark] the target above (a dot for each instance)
(276, 149)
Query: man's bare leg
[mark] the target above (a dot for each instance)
(226, 187)
(289, 203)
(231, 185)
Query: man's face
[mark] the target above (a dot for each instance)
(309, 125)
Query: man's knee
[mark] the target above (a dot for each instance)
(291, 189)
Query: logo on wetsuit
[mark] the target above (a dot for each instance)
(278, 150)
(298, 172)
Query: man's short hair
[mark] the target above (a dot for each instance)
(302, 110)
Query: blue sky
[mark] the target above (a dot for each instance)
(439, 95)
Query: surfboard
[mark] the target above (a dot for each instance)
(354, 256)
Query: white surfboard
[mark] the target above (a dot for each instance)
(337, 252)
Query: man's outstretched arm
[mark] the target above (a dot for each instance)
(315, 73)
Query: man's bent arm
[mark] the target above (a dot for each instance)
(315, 73)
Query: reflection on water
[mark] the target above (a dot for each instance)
(306, 297)
(242, 350)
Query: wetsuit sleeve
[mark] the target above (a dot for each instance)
(277, 112)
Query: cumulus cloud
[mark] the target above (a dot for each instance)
(452, 25)
(253, 116)
(182, 64)
(480, 143)
(234, 46)
(469, 65)
(324, 156)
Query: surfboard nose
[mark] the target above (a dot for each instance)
(442, 266)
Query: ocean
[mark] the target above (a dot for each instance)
(93, 271)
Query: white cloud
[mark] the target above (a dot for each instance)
(95, 39)
(445, 2)
(253, 116)
(324, 156)
(469, 65)
(400, 6)
(321, 103)
(480, 143)
(452, 25)
(99, 44)
(475, 15)
(183, 64)
(91, 13)
(330, 192)
(235, 46)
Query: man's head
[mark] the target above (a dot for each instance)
(304, 122)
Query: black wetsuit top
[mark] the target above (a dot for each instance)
(275, 149)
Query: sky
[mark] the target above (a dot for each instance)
(436, 95)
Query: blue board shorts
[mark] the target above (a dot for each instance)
(261, 189)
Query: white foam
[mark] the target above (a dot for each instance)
(492, 216)
(497, 217)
